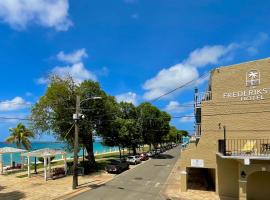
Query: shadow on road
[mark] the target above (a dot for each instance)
(15, 195)
(163, 156)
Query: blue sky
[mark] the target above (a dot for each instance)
(136, 49)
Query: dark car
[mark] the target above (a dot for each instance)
(117, 166)
(143, 157)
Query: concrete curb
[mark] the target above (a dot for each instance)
(163, 193)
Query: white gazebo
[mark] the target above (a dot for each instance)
(11, 151)
(46, 154)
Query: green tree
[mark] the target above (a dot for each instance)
(53, 112)
(154, 124)
(125, 130)
(174, 135)
(20, 135)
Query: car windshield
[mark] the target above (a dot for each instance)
(130, 157)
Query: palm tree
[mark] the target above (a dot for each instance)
(20, 136)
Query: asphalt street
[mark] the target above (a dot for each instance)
(144, 182)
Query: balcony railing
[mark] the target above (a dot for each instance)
(199, 97)
(244, 147)
(198, 130)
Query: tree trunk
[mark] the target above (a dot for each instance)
(90, 151)
(120, 152)
(134, 150)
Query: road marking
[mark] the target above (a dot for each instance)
(147, 183)
(157, 184)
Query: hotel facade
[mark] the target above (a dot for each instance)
(231, 155)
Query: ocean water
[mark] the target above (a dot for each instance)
(98, 148)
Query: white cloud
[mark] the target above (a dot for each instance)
(73, 57)
(129, 97)
(48, 13)
(209, 55)
(76, 69)
(186, 71)
(253, 46)
(17, 103)
(78, 72)
(176, 107)
(188, 118)
(168, 79)
(42, 81)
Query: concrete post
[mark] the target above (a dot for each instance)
(21, 158)
(45, 168)
(1, 164)
(49, 167)
(11, 160)
(242, 190)
(28, 166)
(65, 164)
(183, 181)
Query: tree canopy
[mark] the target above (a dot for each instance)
(20, 135)
(119, 124)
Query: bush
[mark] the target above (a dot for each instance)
(42, 159)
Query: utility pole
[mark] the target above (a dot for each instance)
(76, 144)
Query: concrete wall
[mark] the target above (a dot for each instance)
(243, 120)
(258, 185)
(227, 174)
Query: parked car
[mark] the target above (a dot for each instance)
(117, 166)
(158, 151)
(144, 157)
(133, 160)
(151, 153)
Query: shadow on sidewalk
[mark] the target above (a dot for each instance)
(163, 156)
(15, 195)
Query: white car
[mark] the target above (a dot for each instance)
(134, 160)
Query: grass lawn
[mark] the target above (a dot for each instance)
(101, 160)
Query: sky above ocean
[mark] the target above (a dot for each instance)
(136, 49)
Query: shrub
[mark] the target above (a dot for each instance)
(42, 159)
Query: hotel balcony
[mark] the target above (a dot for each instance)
(200, 97)
(245, 148)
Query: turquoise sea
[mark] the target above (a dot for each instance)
(98, 148)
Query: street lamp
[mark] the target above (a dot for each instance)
(76, 117)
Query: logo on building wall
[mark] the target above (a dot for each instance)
(253, 78)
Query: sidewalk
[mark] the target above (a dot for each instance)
(172, 188)
(35, 188)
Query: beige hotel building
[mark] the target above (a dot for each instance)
(231, 155)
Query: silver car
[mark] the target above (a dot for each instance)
(134, 160)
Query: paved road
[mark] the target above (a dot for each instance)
(141, 183)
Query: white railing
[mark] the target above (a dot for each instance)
(202, 96)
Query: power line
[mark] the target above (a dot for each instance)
(180, 87)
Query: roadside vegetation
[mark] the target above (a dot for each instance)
(123, 124)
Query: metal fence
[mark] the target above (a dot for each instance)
(244, 147)
(204, 96)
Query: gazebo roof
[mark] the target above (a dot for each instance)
(44, 153)
(10, 150)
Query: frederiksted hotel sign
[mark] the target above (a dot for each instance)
(253, 79)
